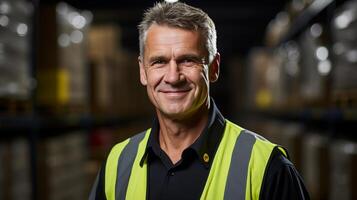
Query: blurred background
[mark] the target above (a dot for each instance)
(69, 88)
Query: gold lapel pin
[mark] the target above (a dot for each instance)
(205, 157)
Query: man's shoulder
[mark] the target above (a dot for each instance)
(261, 143)
(236, 128)
(282, 180)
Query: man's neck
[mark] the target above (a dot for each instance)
(176, 135)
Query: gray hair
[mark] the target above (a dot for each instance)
(183, 16)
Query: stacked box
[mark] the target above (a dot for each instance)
(130, 96)
(115, 88)
(315, 165)
(15, 49)
(15, 170)
(303, 64)
(104, 41)
(63, 67)
(343, 163)
(62, 167)
(103, 48)
(20, 170)
(344, 31)
(316, 66)
(72, 41)
(273, 77)
(277, 28)
(258, 92)
(287, 75)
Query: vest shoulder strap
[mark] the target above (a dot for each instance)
(118, 167)
(238, 170)
(248, 163)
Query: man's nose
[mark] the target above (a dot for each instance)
(173, 74)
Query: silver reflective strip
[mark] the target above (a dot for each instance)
(238, 169)
(93, 192)
(125, 164)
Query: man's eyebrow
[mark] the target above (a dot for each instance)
(155, 58)
(190, 56)
(193, 57)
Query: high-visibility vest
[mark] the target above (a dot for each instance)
(237, 169)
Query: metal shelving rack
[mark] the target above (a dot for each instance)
(34, 126)
(330, 118)
(308, 16)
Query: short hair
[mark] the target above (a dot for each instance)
(180, 15)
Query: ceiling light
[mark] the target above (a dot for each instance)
(171, 1)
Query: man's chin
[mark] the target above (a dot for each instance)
(177, 112)
(174, 112)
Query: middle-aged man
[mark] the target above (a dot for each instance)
(191, 151)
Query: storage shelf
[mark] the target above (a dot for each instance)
(46, 126)
(332, 116)
(337, 123)
(306, 17)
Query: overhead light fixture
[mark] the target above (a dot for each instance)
(4, 20)
(5, 7)
(171, 1)
(78, 21)
(344, 20)
(21, 29)
(76, 37)
(64, 40)
(352, 56)
(321, 53)
(316, 30)
(324, 67)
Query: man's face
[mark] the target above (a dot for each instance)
(175, 71)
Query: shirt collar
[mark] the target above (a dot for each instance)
(206, 144)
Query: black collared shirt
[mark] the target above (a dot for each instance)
(186, 179)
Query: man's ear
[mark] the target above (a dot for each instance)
(143, 78)
(214, 68)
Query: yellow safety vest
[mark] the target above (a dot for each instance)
(237, 170)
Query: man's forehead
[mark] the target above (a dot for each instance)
(163, 27)
(172, 26)
(161, 38)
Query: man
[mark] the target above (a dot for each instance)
(191, 151)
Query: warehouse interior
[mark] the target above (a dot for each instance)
(70, 89)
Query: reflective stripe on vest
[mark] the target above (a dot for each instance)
(237, 170)
(237, 175)
(125, 164)
(119, 166)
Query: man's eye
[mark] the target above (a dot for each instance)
(158, 62)
(187, 61)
